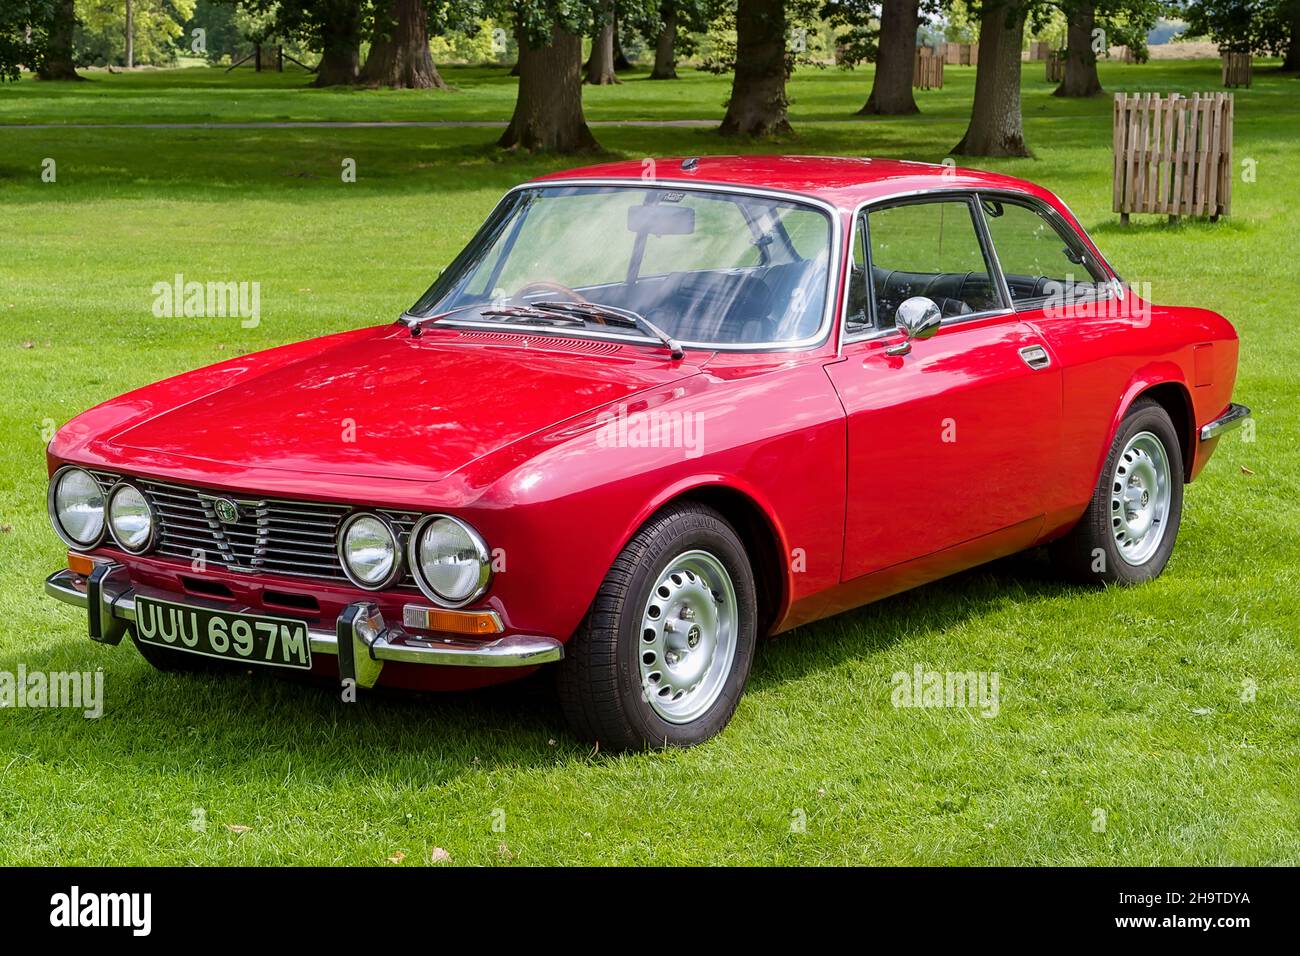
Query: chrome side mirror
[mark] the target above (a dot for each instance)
(918, 318)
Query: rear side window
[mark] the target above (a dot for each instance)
(929, 249)
(1040, 261)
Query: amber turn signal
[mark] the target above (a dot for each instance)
(477, 623)
(80, 564)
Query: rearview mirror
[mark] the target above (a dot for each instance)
(917, 318)
(661, 220)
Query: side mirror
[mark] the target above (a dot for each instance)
(917, 318)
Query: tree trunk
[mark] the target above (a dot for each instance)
(548, 109)
(399, 53)
(891, 90)
(600, 65)
(57, 62)
(340, 61)
(130, 35)
(758, 103)
(665, 48)
(621, 63)
(996, 126)
(1080, 77)
(1291, 61)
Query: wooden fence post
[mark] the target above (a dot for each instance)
(1237, 69)
(1055, 66)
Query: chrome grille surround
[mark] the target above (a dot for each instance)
(268, 535)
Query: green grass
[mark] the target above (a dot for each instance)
(1126, 700)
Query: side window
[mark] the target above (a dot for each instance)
(930, 249)
(1037, 260)
(856, 319)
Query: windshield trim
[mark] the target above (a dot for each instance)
(834, 264)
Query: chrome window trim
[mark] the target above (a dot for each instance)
(847, 338)
(833, 270)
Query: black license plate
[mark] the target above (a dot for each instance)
(230, 635)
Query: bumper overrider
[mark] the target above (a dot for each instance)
(361, 638)
(1234, 417)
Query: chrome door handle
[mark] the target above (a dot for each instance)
(1035, 356)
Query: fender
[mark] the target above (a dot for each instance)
(1163, 372)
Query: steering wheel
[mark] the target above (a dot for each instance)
(554, 288)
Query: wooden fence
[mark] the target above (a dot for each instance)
(1236, 69)
(961, 54)
(1055, 66)
(1173, 155)
(927, 74)
(1039, 49)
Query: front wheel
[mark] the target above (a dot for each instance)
(1127, 534)
(663, 655)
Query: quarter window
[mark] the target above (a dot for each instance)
(1039, 262)
(929, 249)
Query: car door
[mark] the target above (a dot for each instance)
(952, 440)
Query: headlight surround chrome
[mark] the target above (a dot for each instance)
(76, 506)
(372, 542)
(449, 560)
(132, 521)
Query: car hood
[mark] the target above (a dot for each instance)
(394, 406)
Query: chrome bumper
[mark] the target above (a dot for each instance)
(1234, 417)
(360, 639)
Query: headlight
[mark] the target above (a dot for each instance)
(450, 561)
(77, 507)
(369, 551)
(130, 518)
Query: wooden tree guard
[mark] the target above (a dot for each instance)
(1038, 49)
(1124, 54)
(927, 73)
(1173, 155)
(962, 54)
(1237, 69)
(1055, 66)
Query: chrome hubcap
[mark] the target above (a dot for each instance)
(1139, 498)
(688, 637)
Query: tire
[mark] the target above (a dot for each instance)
(684, 580)
(1104, 547)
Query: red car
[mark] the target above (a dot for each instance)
(647, 416)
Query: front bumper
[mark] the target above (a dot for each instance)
(361, 640)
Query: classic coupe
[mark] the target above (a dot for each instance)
(647, 417)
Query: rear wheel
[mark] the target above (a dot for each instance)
(663, 655)
(1127, 534)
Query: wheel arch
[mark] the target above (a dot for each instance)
(1175, 399)
(759, 530)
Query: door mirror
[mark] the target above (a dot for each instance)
(917, 318)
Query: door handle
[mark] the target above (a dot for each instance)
(1035, 356)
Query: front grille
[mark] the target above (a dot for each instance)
(266, 534)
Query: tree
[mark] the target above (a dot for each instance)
(996, 125)
(1262, 27)
(24, 32)
(56, 61)
(600, 65)
(334, 27)
(548, 107)
(665, 67)
(1095, 25)
(758, 104)
(399, 50)
(665, 28)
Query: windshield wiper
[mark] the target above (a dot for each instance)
(621, 317)
(532, 314)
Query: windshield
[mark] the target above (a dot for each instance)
(708, 268)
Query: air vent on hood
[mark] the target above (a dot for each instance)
(544, 342)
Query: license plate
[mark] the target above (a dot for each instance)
(230, 635)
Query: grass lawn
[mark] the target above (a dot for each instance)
(1128, 701)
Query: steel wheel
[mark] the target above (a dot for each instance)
(1139, 498)
(689, 629)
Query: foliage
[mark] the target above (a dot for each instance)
(485, 41)
(158, 29)
(24, 25)
(1245, 26)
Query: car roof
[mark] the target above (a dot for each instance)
(842, 181)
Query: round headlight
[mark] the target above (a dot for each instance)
(369, 550)
(77, 507)
(130, 518)
(451, 562)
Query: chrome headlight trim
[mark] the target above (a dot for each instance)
(120, 485)
(52, 509)
(481, 553)
(398, 566)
